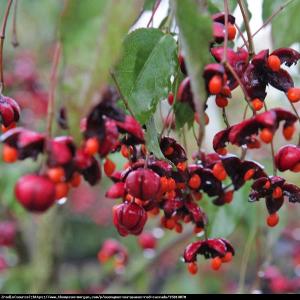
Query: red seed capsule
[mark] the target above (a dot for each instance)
(143, 184)
(215, 85)
(274, 63)
(272, 220)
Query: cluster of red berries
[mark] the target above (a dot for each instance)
(148, 186)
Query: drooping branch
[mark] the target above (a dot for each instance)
(2, 37)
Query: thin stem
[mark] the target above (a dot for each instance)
(122, 96)
(237, 78)
(269, 19)
(272, 150)
(53, 82)
(247, 27)
(156, 5)
(15, 41)
(225, 117)
(226, 10)
(246, 256)
(245, 112)
(273, 158)
(2, 37)
(243, 38)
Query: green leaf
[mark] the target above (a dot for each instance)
(231, 214)
(149, 60)
(268, 7)
(91, 34)
(215, 6)
(195, 32)
(151, 138)
(284, 26)
(148, 4)
(183, 115)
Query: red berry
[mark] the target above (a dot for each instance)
(197, 196)
(171, 98)
(5, 129)
(164, 184)
(228, 197)
(143, 184)
(277, 193)
(288, 132)
(249, 174)
(56, 174)
(129, 218)
(221, 101)
(193, 268)
(147, 240)
(222, 151)
(109, 167)
(197, 229)
(219, 171)
(272, 220)
(195, 182)
(76, 180)
(231, 32)
(293, 94)
(216, 263)
(215, 85)
(125, 151)
(169, 151)
(8, 232)
(36, 193)
(266, 135)
(257, 104)
(91, 146)
(181, 166)
(171, 184)
(61, 190)
(267, 185)
(178, 228)
(296, 168)
(274, 63)
(227, 258)
(9, 154)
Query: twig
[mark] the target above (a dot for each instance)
(247, 27)
(53, 82)
(14, 40)
(245, 112)
(246, 256)
(2, 37)
(225, 117)
(269, 19)
(156, 5)
(243, 38)
(122, 96)
(224, 59)
(272, 150)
